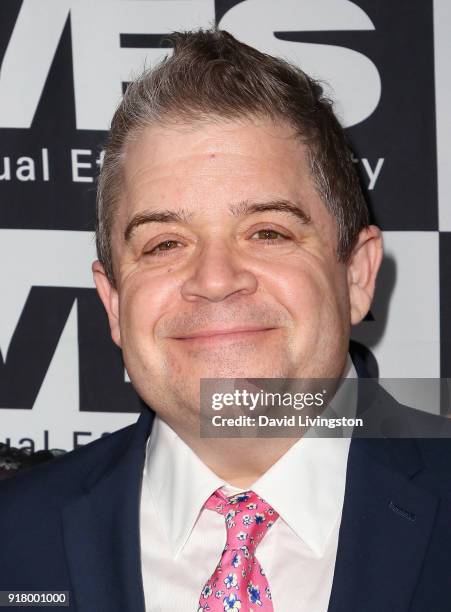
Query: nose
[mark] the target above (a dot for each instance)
(217, 273)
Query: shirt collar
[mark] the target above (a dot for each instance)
(306, 485)
(179, 483)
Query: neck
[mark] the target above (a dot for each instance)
(238, 461)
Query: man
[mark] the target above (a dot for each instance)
(233, 242)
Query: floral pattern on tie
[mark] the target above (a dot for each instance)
(239, 582)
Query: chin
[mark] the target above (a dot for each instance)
(242, 370)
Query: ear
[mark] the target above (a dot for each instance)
(109, 296)
(363, 267)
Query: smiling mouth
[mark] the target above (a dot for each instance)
(225, 336)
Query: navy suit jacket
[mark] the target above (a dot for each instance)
(73, 525)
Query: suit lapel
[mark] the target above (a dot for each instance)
(101, 531)
(385, 529)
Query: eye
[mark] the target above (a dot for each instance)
(270, 235)
(162, 248)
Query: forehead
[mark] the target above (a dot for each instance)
(207, 166)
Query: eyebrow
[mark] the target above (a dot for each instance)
(242, 209)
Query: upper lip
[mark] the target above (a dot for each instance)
(231, 330)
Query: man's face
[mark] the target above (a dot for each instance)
(253, 249)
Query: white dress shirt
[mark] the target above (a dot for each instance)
(181, 543)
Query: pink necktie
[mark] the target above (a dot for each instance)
(239, 582)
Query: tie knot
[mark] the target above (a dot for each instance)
(247, 517)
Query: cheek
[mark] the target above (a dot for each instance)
(144, 301)
(315, 296)
(131, 320)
